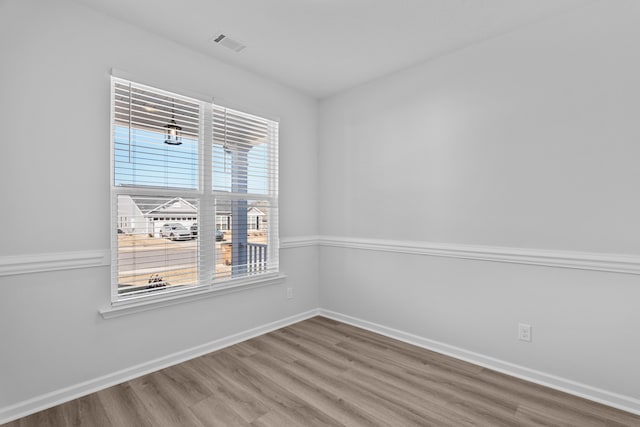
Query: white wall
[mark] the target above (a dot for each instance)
(527, 140)
(54, 112)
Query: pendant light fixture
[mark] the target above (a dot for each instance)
(173, 130)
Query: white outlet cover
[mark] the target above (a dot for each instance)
(524, 332)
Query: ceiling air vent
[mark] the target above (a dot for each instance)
(228, 42)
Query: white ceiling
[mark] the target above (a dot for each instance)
(325, 46)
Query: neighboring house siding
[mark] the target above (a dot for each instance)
(131, 219)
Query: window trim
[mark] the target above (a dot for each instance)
(204, 193)
(180, 296)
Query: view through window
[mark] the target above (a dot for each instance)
(194, 193)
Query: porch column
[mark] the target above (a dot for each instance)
(239, 213)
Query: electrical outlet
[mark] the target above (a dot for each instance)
(289, 293)
(524, 332)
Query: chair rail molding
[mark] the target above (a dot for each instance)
(614, 263)
(607, 262)
(53, 261)
(299, 242)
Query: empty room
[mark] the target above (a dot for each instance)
(320, 212)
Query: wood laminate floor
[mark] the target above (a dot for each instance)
(322, 372)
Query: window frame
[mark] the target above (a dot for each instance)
(206, 283)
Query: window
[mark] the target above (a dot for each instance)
(194, 193)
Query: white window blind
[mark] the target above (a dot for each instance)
(143, 119)
(194, 193)
(245, 184)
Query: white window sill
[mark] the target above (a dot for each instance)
(140, 304)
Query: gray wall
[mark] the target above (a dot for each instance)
(54, 169)
(527, 140)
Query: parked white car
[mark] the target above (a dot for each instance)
(194, 232)
(175, 231)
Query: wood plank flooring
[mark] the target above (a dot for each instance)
(324, 373)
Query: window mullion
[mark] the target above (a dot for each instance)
(160, 192)
(274, 239)
(206, 221)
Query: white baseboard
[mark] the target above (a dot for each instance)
(605, 397)
(57, 397)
